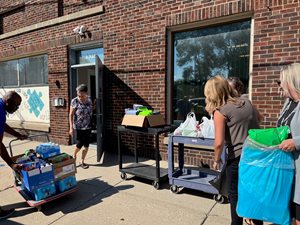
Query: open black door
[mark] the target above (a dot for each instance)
(99, 107)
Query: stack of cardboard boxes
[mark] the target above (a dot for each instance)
(46, 171)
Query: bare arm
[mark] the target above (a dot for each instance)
(219, 123)
(4, 154)
(13, 132)
(71, 119)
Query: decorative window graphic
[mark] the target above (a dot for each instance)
(34, 107)
(35, 102)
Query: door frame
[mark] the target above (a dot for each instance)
(98, 65)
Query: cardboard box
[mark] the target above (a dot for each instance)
(64, 169)
(143, 121)
(37, 178)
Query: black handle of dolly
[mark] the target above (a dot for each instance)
(29, 137)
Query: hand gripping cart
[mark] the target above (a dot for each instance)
(21, 189)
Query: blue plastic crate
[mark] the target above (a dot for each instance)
(65, 184)
(38, 177)
(42, 192)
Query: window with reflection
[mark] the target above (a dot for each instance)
(88, 55)
(9, 73)
(25, 71)
(202, 53)
(34, 70)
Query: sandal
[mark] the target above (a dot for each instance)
(248, 221)
(84, 166)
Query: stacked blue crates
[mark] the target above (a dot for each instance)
(38, 176)
(64, 171)
(49, 174)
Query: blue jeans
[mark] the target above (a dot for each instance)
(232, 172)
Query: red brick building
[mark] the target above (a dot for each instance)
(155, 52)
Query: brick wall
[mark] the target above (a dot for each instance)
(54, 42)
(134, 40)
(20, 13)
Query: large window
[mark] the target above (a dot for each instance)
(24, 72)
(202, 53)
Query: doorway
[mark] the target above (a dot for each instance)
(85, 74)
(91, 74)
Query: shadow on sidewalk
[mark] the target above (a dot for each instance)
(112, 159)
(90, 192)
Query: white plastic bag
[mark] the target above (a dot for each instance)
(207, 127)
(189, 127)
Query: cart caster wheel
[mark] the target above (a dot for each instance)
(219, 198)
(155, 185)
(174, 189)
(124, 176)
(39, 208)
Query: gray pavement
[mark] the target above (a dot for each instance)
(104, 198)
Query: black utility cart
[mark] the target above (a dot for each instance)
(150, 172)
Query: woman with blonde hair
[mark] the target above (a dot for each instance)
(233, 117)
(290, 116)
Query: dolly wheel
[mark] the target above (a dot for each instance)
(124, 176)
(174, 189)
(219, 198)
(155, 185)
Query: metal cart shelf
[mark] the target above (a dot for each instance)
(150, 172)
(192, 177)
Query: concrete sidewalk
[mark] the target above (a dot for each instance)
(104, 198)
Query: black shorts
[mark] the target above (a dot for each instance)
(295, 209)
(83, 138)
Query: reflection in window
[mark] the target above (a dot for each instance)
(9, 73)
(202, 53)
(25, 71)
(33, 70)
(88, 55)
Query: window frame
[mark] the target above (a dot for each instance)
(18, 85)
(198, 25)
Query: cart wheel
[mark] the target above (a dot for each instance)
(39, 208)
(219, 198)
(124, 176)
(174, 189)
(155, 185)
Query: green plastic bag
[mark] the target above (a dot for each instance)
(144, 111)
(269, 136)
